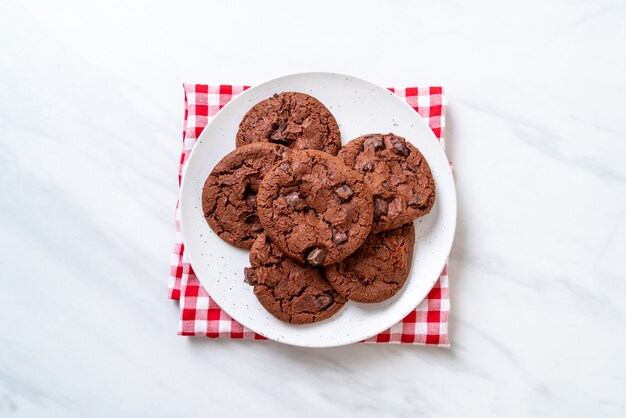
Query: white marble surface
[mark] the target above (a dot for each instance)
(90, 127)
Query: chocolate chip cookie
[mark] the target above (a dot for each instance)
(378, 269)
(398, 175)
(314, 208)
(229, 193)
(290, 291)
(296, 120)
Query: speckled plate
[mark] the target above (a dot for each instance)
(360, 107)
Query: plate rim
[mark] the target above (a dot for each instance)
(453, 204)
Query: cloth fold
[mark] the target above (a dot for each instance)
(201, 316)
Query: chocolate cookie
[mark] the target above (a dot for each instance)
(229, 193)
(398, 175)
(295, 120)
(314, 208)
(290, 291)
(376, 271)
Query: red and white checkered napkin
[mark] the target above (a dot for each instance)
(200, 315)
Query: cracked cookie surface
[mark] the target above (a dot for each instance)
(378, 269)
(314, 208)
(229, 193)
(398, 175)
(296, 120)
(292, 292)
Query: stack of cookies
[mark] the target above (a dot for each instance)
(324, 224)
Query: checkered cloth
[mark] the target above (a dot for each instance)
(200, 315)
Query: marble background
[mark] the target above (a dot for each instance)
(90, 127)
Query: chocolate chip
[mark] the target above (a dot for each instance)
(323, 301)
(279, 140)
(375, 141)
(249, 278)
(368, 166)
(251, 219)
(339, 237)
(294, 201)
(415, 199)
(395, 207)
(315, 257)
(284, 167)
(380, 208)
(256, 227)
(364, 281)
(400, 148)
(344, 192)
(386, 185)
(277, 133)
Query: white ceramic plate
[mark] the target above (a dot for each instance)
(360, 107)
